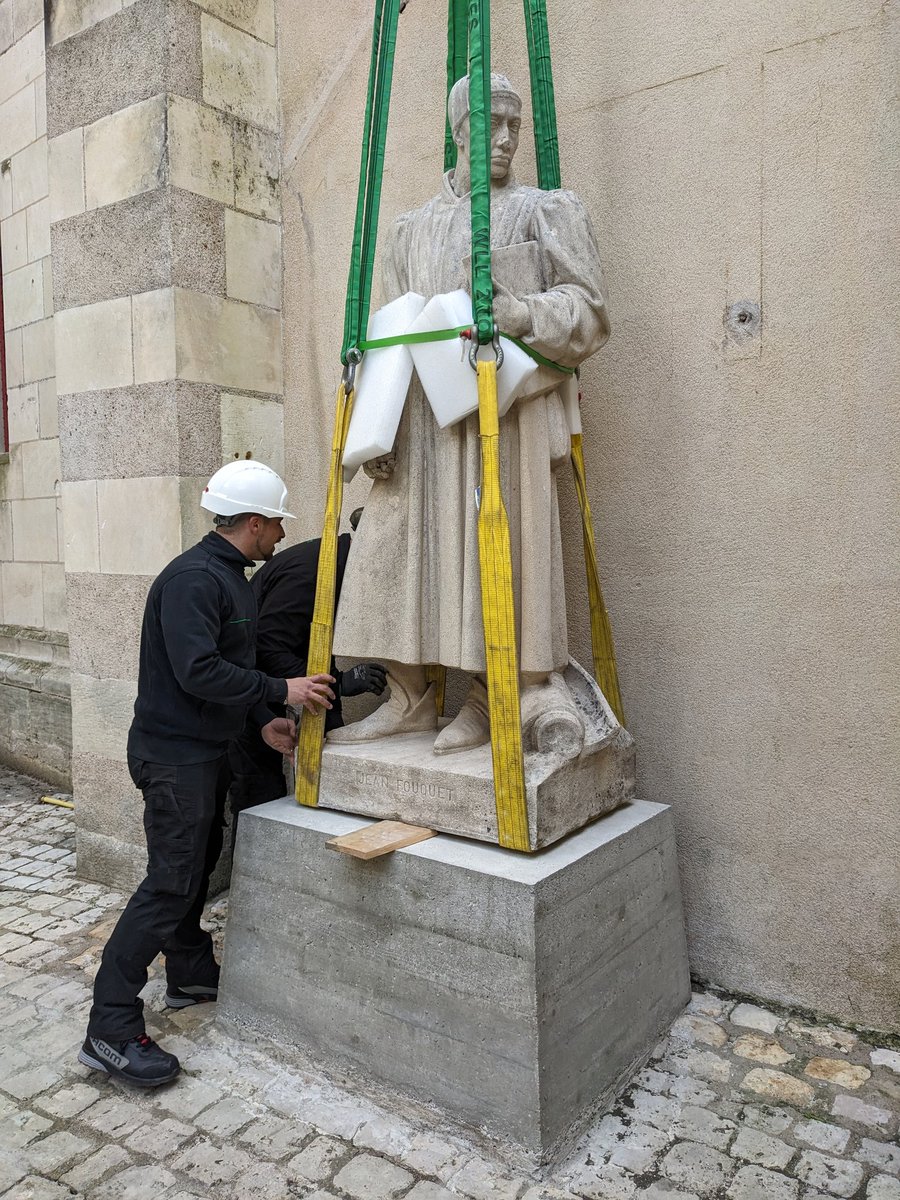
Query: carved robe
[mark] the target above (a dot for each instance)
(412, 591)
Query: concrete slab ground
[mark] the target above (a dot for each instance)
(739, 1102)
(510, 992)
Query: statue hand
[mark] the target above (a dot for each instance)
(381, 467)
(511, 314)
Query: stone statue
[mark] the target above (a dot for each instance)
(412, 593)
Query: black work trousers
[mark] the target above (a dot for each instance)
(184, 808)
(257, 775)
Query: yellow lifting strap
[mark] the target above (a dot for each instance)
(436, 674)
(602, 647)
(321, 634)
(499, 618)
(601, 634)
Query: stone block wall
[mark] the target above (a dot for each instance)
(35, 726)
(167, 267)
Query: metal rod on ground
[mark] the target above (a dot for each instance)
(56, 800)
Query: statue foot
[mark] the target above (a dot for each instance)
(470, 727)
(399, 714)
(551, 722)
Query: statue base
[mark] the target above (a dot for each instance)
(400, 778)
(489, 990)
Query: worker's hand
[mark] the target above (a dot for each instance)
(280, 734)
(381, 467)
(364, 677)
(307, 691)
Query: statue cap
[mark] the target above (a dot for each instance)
(458, 100)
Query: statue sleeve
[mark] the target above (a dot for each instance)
(394, 274)
(569, 320)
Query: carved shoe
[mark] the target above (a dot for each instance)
(399, 714)
(470, 727)
(551, 722)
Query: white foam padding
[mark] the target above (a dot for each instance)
(382, 382)
(569, 390)
(443, 367)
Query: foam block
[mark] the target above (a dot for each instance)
(569, 390)
(381, 386)
(443, 367)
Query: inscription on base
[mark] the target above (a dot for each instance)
(394, 786)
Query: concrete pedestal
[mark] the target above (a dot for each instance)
(512, 992)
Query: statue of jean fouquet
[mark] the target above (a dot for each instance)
(411, 594)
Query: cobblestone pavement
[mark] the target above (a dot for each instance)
(738, 1101)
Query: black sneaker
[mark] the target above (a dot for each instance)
(184, 997)
(139, 1060)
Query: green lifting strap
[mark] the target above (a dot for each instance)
(457, 64)
(480, 165)
(543, 101)
(447, 335)
(368, 200)
(546, 145)
(356, 319)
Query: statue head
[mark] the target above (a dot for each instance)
(506, 118)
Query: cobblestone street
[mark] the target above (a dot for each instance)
(738, 1101)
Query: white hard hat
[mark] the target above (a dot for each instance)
(246, 487)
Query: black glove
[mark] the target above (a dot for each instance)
(364, 677)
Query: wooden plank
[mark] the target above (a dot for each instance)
(381, 838)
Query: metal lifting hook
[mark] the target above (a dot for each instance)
(354, 358)
(476, 346)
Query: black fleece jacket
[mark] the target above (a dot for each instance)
(285, 591)
(197, 681)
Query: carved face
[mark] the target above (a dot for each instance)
(506, 119)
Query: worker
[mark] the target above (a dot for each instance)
(285, 593)
(197, 685)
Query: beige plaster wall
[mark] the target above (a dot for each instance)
(744, 490)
